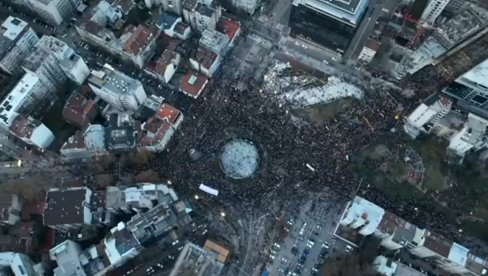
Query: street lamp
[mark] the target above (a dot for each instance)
(196, 197)
(222, 214)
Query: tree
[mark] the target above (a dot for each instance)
(104, 180)
(147, 176)
(28, 188)
(140, 158)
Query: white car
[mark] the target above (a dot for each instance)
(349, 248)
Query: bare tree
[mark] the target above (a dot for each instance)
(140, 158)
(147, 176)
(104, 180)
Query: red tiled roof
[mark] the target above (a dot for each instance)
(155, 129)
(164, 60)
(206, 57)
(79, 110)
(193, 84)
(169, 113)
(23, 126)
(373, 44)
(138, 40)
(229, 27)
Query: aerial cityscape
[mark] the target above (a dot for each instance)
(244, 137)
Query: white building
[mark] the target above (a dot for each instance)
(51, 11)
(471, 89)
(139, 198)
(473, 136)
(425, 117)
(201, 16)
(54, 62)
(119, 90)
(22, 99)
(369, 51)
(215, 41)
(18, 264)
(362, 215)
(205, 61)
(94, 139)
(66, 255)
(31, 131)
(248, 6)
(158, 130)
(139, 44)
(165, 66)
(432, 11)
(173, 6)
(17, 39)
(10, 208)
(384, 266)
(395, 233)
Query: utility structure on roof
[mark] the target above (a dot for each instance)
(119, 90)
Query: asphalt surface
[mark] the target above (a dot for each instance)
(377, 9)
(309, 240)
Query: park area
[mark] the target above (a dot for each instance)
(416, 171)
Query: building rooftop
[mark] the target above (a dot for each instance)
(229, 27)
(121, 131)
(438, 244)
(195, 261)
(478, 75)
(180, 28)
(404, 270)
(11, 30)
(204, 9)
(138, 39)
(13, 27)
(477, 264)
(79, 110)
(32, 131)
(364, 210)
(66, 206)
(168, 113)
(458, 254)
(373, 44)
(66, 256)
(16, 98)
(77, 141)
(465, 23)
(168, 57)
(113, 80)
(95, 138)
(167, 20)
(193, 84)
(189, 4)
(222, 252)
(349, 11)
(206, 57)
(154, 131)
(153, 223)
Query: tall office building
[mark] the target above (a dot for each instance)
(330, 24)
(471, 89)
(432, 11)
(54, 62)
(51, 11)
(119, 90)
(17, 39)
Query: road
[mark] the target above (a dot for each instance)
(377, 9)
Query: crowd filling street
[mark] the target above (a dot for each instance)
(297, 159)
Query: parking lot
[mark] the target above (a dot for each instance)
(309, 241)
